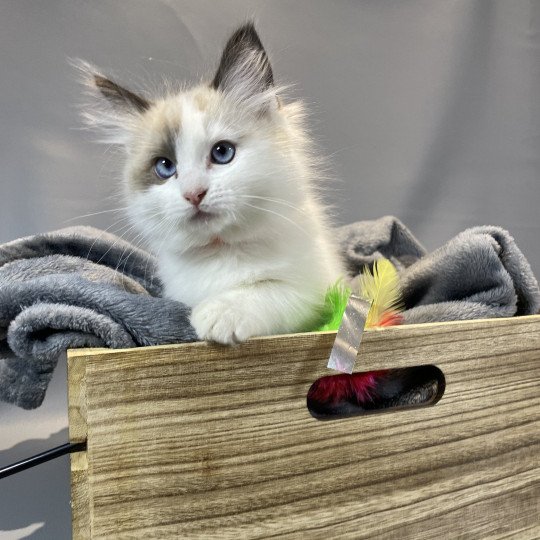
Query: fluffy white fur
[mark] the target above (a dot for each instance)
(259, 258)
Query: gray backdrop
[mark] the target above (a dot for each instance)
(430, 110)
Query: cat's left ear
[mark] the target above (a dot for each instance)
(120, 98)
(112, 109)
(244, 70)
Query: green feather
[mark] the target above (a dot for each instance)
(335, 303)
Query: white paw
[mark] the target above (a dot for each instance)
(218, 320)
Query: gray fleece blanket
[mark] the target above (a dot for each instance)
(82, 287)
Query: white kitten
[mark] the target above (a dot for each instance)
(220, 180)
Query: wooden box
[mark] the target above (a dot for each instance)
(205, 441)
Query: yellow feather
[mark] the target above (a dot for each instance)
(381, 287)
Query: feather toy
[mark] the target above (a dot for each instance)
(335, 303)
(381, 286)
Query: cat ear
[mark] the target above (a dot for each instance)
(112, 109)
(244, 70)
(120, 98)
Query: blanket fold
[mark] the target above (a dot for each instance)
(77, 287)
(480, 273)
(82, 287)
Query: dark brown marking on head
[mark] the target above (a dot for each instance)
(244, 46)
(120, 97)
(159, 143)
(167, 144)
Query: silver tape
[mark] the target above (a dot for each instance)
(349, 335)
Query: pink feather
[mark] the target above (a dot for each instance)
(358, 387)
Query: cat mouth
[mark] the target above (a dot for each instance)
(201, 215)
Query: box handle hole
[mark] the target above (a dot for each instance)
(341, 396)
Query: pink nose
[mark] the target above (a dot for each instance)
(195, 197)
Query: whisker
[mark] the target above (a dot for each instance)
(126, 229)
(277, 201)
(104, 231)
(95, 214)
(344, 149)
(134, 246)
(279, 215)
(131, 251)
(161, 229)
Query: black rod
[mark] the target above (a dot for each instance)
(32, 461)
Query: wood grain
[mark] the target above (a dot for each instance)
(204, 441)
(77, 394)
(80, 502)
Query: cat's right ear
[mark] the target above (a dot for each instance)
(112, 109)
(244, 70)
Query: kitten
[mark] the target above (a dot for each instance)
(220, 179)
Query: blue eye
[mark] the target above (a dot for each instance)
(222, 152)
(164, 168)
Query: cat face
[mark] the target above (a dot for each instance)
(210, 162)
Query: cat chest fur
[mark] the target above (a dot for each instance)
(194, 276)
